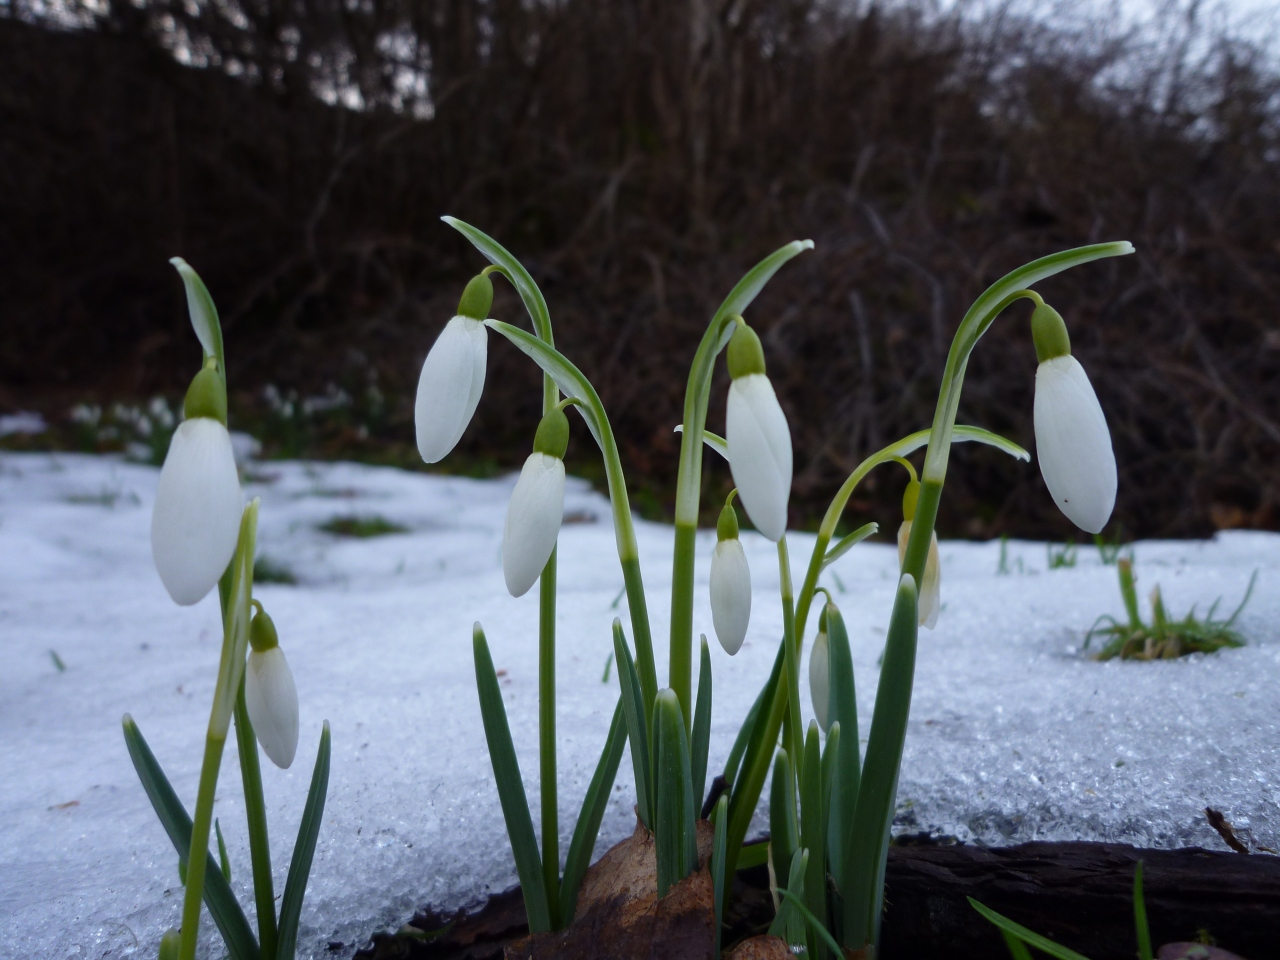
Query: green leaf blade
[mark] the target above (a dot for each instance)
(702, 725)
(1029, 937)
(223, 907)
(511, 795)
(304, 849)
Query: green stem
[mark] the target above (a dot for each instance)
(255, 810)
(235, 641)
(196, 859)
(680, 666)
(796, 745)
(547, 737)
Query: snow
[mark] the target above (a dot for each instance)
(1015, 735)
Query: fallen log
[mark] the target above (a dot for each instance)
(1079, 894)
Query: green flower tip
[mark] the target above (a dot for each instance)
(169, 944)
(910, 497)
(552, 437)
(745, 354)
(262, 632)
(1049, 333)
(207, 395)
(727, 525)
(477, 298)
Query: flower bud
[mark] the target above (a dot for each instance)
(269, 693)
(931, 582)
(196, 520)
(758, 438)
(452, 377)
(1073, 444)
(819, 678)
(533, 521)
(730, 585)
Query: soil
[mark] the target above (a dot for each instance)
(1079, 894)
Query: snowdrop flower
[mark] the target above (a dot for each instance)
(730, 583)
(452, 377)
(819, 675)
(758, 437)
(269, 692)
(537, 506)
(196, 520)
(1072, 439)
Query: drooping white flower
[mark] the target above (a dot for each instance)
(819, 680)
(533, 521)
(449, 387)
(1073, 444)
(758, 437)
(272, 701)
(931, 582)
(196, 520)
(730, 594)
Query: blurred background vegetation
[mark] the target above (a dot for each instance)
(638, 155)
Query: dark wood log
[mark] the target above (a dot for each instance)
(1079, 894)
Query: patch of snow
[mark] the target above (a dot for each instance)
(1015, 734)
(22, 422)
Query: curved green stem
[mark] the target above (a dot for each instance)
(255, 810)
(697, 399)
(235, 642)
(831, 519)
(795, 745)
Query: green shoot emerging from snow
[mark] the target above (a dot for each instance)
(1163, 638)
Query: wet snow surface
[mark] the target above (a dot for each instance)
(1014, 734)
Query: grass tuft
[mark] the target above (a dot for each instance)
(362, 527)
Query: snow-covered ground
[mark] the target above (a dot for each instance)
(1015, 735)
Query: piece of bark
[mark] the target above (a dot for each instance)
(762, 948)
(620, 916)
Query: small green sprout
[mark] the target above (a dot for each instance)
(1061, 555)
(1163, 639)
(362, 527)
(1108, 550)
(270, 570)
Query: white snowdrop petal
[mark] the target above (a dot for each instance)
(930, 597)
(819, 682)
(449, 387)
(759, 453)
(1073, 444)
(533, 521)
(196, 519)
(730, 594)
(272, 701)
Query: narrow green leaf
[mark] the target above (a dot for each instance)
(702, 726)
(788, 922)
(784, 831)
(204, 315)
(1016, 946)
(713, 441)
(226, 912)
(304, 849)
(719, 851)
(832, 818)
(593, 809)
(813, 824)
(1029, 937)
(1140, 916)
(637, 731)
(223, 860)
(753, 855)
(511, 795)
(740, 741)
(498, 255)
(814, 923)
(874, 813)
(848, 543)
(675, 841)
(843, 708)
